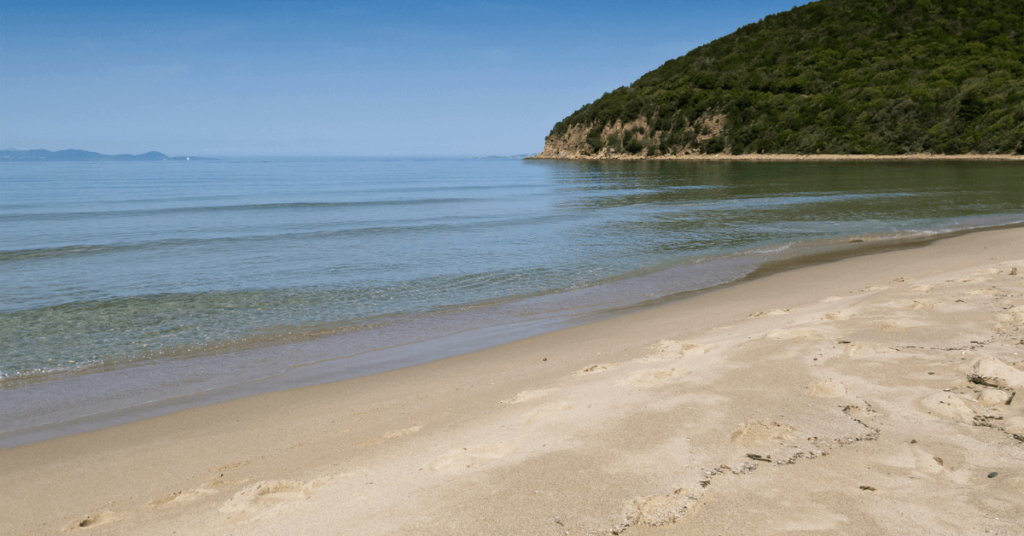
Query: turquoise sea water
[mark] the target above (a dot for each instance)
(110, 262)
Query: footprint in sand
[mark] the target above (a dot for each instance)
(949, 406)
(861, 349)
(872, 288)
(826, 389)
(652, 377)
(815, 518)
(993, 397)
(923, 288)
(831, 299)
(771, 312)
(838, 315)
(183, 497)
(690, 349)
(669, 350)
(389, 435)
(592, 369)
(789, 334)
(548, 412)
(928, 463)
(902, 279)
(761, 432)
(657, 510)
(401, 433)
(268, 493)
(97, 519)
(919, 305)
(893, 327)
(528, 395)
(468, 457)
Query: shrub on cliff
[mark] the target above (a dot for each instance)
(713, 145)
(630, 144)
(594, 139)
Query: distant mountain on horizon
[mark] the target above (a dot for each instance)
(78, 155)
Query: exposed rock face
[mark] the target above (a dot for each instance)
(570, 146)
(614, 141)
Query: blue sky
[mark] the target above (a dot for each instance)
(319, 78)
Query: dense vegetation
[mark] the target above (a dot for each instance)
(835, 76)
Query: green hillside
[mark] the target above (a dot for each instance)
(835, 77)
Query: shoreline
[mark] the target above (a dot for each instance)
(112, 395)
(792, 157)
(830, 397)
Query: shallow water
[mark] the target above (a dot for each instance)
(111, 262)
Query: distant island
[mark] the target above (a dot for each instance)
(76, 155)
(835, 77)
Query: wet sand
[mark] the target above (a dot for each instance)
(875, 394)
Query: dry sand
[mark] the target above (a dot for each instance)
(874, 395)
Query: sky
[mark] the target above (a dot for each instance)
(457, 78)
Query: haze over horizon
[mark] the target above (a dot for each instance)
(305, 79)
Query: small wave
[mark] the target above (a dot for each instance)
(409, 227)
(768, 249)
(231, 208)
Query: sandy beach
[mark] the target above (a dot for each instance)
(872, 395)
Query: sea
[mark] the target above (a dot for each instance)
(171, 278)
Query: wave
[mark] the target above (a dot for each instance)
(230, 208)
(97, 249)
(74, 250)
